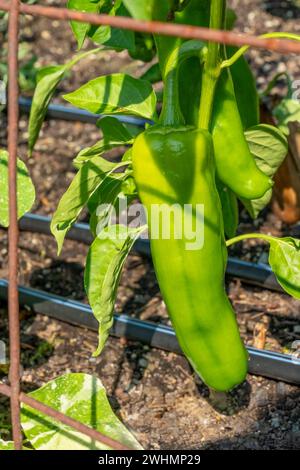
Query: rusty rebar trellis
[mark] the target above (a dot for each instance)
(13, 234)
(15, 7)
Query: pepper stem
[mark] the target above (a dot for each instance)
(171, 113)
(212, 66)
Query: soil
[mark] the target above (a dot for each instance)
(154, 392)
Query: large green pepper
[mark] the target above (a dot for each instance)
(174, 167)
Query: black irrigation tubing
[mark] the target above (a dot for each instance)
(261, 362)
(71, 113)
(254, 273)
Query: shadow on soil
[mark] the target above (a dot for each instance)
(276, 426)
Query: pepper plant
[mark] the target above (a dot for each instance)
(205, 151)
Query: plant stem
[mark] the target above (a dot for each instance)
(262, 236)
(243, 49)
(212, 66)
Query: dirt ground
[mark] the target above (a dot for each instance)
(154, 392)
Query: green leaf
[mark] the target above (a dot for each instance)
(127, 157)
(114, 131)
(25, 189)
(9, 445)
(144, 48)
(153, 74)
(48, 79)
(114, 134)
(43, 93)
(129, 188)
(98, 149)
(231, 18)
(87, 180)
(113, 37)
(284, 259)
(6, 445)
(269, 147)
(79, 29)
(81, 397)
(104, 263)
(102, 202)
(288, 110)
(115, 94)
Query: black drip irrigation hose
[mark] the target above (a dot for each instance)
(253, 273)
(70, 113)
(261, 362)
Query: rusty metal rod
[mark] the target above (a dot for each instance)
(57, 415)
(14, 391)
(13, 231)
(158, 27)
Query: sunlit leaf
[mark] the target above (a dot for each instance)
(25, 189)
(269, 147)
(116, 93)
(104, 264)
(284, 260)
(79, 396)
(86, 181)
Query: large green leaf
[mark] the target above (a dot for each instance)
(48, 79)
(87, 180)
(288, 110)
(25, 189)
(115, 94)
(269, 147)
(81, 397)
(284, 259)
(104, 263)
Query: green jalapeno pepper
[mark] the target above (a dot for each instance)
(235, 164)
